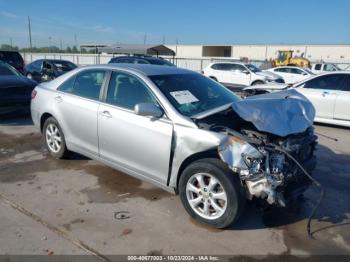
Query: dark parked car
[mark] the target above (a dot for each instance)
(140, 60)
(47, 69)
(15, 90)
(14, 59)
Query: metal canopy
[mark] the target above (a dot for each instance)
(137, 49)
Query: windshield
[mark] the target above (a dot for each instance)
(7, 70)
(64, 65)
(160, 62)
(253, 68)
(192, 94)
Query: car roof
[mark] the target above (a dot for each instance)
(137, 57)
(228, 62)
(145, 69)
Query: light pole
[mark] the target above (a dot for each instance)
(30, 35)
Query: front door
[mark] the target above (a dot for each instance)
(341, 109)
(140, 144)
(322, 91)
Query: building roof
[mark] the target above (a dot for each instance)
(137, 49)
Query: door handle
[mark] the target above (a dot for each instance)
(326, 93)
(105, 114)
(58, 99)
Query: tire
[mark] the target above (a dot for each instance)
(257, 83)
(228, 183)
(54, 139)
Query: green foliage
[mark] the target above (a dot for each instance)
(47, 49)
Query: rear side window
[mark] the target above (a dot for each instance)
(318, 67)
(126, 91)
(86, 84)
(222, 66)
(330, 82)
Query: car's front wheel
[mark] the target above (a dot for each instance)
(54, 138)
(211, 193)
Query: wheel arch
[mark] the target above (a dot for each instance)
(211, 153)
(257, 81)
(43, 118)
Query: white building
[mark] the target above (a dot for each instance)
(328, 53)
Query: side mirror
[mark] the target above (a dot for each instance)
(245, 72)
(148, 109)
(304, 74)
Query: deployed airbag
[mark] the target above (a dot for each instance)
(280, 113)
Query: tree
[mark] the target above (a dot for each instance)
(7, 47)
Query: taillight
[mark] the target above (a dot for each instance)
(34, 92)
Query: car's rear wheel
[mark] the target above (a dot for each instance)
(211, 193)
(54, 138)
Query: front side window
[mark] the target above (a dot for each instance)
(193, 94)
(253, 68)
(237, 67)
(296, 71)
(125, 90)
(346, 84)
(85, 84)
(330, 82)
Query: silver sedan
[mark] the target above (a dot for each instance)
(181, 131)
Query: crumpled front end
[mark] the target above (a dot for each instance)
(264, 166)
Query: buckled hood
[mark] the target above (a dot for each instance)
(281, 113)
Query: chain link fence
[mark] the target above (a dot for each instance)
(195, 64)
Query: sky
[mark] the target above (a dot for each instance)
(185, 22)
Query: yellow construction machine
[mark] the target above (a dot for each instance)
(285, 57)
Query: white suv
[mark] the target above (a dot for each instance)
(239, 74)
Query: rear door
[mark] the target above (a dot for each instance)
(219, 71)
(322, 91)
(342, 103)
(140, 144)
(297, 74)
(239, 75)
(77, 106)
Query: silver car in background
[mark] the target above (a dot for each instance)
(183, 132)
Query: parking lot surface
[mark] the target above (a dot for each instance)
(78, 206)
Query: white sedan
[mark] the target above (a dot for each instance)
(329, 93)
(292, 74)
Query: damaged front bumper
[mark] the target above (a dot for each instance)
(264, 166)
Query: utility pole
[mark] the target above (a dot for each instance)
(11, 42)
(61, 45)
(30, 35)
(145, 39)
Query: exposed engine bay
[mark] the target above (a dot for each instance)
(264, 160)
